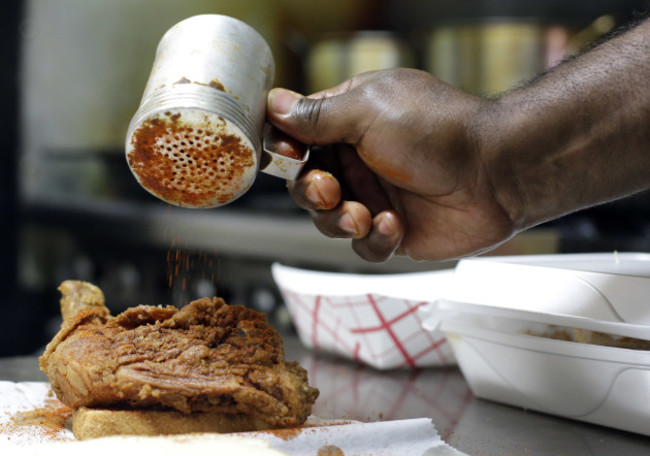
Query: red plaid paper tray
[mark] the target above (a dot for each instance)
(373, 319)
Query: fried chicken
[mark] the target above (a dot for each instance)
(206, 357)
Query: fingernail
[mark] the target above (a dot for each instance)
(314, 196)
(347, 224)
(386, 226)
(282, 101)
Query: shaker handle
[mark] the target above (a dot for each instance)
(282, 156)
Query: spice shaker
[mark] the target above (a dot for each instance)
(197, 138)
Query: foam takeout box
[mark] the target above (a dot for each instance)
(507, 319)
(372, 319)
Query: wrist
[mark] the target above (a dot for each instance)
(573, 138)
(491, 129)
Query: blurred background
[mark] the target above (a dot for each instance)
(74, 72)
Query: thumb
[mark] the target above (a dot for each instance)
(318, 121)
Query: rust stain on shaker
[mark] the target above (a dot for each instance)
(215, 84)
(188, 164)
(330, 450)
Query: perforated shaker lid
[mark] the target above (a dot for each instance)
(192, 157)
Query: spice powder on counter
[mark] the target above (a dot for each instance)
(45, 423)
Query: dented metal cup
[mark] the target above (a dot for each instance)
(196, 139)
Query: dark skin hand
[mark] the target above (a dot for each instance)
(409, 165)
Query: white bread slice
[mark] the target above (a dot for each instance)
(90, 423)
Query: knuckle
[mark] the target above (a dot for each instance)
(309, 113)
(323, 223)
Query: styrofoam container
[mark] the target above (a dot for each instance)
(498, 311)
(372, 319)
(599, 286)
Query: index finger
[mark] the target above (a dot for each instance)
(316, 189)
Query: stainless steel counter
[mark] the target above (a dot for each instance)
(474, 426)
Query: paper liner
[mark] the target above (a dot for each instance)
(318, 437)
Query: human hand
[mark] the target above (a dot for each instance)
(400, 169)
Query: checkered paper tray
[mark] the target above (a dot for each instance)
(373, 319)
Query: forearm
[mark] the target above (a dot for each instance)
(575, 137)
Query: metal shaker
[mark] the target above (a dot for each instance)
(196, 139)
